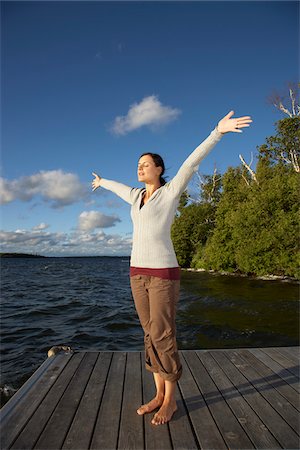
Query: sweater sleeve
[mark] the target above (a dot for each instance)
(127, 193)
(178, 184)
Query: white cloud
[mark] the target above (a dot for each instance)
(89, 220)
(56, 186)
(27, 238)
(6, 191)
(41, 226)
(78, 243)
(149, 112)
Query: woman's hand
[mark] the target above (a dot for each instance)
(227, 124)
(96, 182)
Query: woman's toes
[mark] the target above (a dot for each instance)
(154, 421)
(164, 415)
(149, 407)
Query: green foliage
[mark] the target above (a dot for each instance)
(191, 229)
(218, 254)
(253, 228)
(183, 201)
(265, 227)
(278, 148)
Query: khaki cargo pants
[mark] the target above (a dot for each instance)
(156, 303)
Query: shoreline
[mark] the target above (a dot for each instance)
(282, 278)
(268, 277)
(20, 255)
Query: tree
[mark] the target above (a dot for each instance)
(191, 229)
(183, 201)
(195, 221)
(284, 147)
(266, 226)
(257, 225)
(278, 100)
(248, 219)
(209, 187)
(219, 252)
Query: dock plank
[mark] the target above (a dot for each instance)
(262, 385)
(283, 433)
(208, 436)
(25, 402)
(282, 360)
(31, 432)
(156, 437)
(290, 353)
(227, 398)
(270, 377)
(280, 371)
(81, 430)
(232, 432)
(131, 433)
(241, 409)
(107, 426)
(53, 435)
(180, 427)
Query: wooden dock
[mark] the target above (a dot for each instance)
(227, 399)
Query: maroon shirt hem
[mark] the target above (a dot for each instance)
(168, 273)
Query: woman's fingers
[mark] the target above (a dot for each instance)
(229, 114)
(96, 181)
(237, 130)
(243, 124)
(229, 123)
(241, 120)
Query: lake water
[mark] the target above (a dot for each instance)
(86, 303)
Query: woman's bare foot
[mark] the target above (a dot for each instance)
(156, 402)
(165, 413)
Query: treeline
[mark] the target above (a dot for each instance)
(247, 221)
(20, 255)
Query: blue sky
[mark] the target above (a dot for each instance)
(76, 80)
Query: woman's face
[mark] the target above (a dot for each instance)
(147, 170)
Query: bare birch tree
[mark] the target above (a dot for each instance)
(248, 167)
(278, 100)
(208, 186)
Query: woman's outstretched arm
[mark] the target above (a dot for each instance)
(127, 193)
(178, 184)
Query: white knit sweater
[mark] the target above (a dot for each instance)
(152, 245)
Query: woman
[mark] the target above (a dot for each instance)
(154, 270)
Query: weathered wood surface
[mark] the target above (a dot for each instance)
(232, 398)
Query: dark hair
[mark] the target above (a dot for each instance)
(159, 162)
